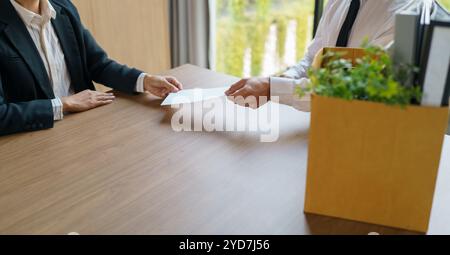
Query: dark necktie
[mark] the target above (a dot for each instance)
(348, 24)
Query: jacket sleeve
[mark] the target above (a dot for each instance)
(101, 68)
(24, 117)
(106, 71)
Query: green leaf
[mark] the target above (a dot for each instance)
(373, 78)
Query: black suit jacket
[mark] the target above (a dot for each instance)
(25, 88)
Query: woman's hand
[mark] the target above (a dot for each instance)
(86, 100)
(161, 86)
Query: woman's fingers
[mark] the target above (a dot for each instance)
(160, 92)
(169, 87)
(103, 93)
(175, 82)
(101, 96)
(101, 103)
(105, 97)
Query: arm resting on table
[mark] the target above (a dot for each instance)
(24, 116)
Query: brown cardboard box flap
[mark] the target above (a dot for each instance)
(351, 54)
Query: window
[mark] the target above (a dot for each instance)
(445, 3)
(261, 37)
(264, 37)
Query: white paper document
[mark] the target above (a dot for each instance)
(189, 96)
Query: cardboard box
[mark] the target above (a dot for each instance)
(374, 163)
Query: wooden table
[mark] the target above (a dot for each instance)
(121, 169)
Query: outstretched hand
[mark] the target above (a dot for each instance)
(161, 86)
(253, 92)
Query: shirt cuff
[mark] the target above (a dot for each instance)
(57, 109)
(291, 73)
(283, 90)
(140, 83)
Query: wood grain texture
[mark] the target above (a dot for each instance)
(133, 32)
(120, 169)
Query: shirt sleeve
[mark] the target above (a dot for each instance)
(140, 83)
(283, 91)
(384, 39)
(57, 109)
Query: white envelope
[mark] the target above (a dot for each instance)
(189, 96)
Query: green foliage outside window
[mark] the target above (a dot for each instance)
(245, 24)
(445, 3)
(282, 23)
(259, 29)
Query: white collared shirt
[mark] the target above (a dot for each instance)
(51, 53)
(375, 21)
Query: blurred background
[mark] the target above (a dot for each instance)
(268, 35)
(236, 37)
(263, 37)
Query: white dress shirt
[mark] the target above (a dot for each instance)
(52, 55)
(375, 21)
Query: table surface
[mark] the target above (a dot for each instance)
(121, 169)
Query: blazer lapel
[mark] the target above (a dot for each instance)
(69, 44)
(19, 36)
